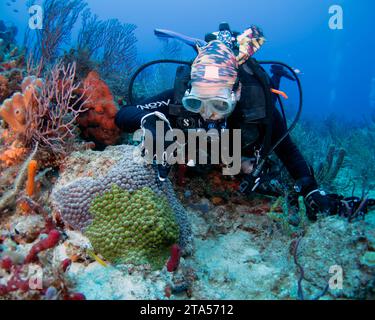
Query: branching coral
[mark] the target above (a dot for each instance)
(113, 45)
(52, 123)
(292, 220)
(98, 122)
(328, 170)
(59, 18)
(46, 111)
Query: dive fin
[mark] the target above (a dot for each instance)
(193, 42)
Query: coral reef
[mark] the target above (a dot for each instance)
(7, 33)
(52, 123)
(174, 260)
(112, 45)
(11, 62)
(327, 171)
(126, 223)
(14, 110)
(9, 197)
(58, 21)
(13, 155)
(45, 244)
(75, 199)
(31, 174)
(27, 270)
(45, 112)
(98, 122)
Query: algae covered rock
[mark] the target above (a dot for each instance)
(136, 228)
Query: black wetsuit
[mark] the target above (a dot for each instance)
(129, 118)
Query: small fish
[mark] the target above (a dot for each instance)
(8, 4)
(16, 10)
(13, 1)
(96, 258)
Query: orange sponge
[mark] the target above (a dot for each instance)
(30, 184)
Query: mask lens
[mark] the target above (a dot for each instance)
(192, 104)
(220, 106)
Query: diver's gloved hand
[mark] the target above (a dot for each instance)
(163, 171)
(159, 159)
(279, 72)
(316, 200)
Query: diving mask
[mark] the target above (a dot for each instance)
(222, 104)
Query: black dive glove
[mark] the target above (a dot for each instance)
(163, 171)
(316, 200)
(149, 122)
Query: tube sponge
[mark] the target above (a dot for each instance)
(30, 184)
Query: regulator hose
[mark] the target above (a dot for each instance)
(300, 107)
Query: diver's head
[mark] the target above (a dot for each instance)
(214, 89)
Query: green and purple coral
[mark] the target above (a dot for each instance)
(137, 228)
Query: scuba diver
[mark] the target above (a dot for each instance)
(226, 88)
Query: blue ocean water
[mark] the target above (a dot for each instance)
(243, 246)
(337, 65)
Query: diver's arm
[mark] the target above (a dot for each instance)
(146, 115)
(306, 185)
(128, 118)
(289, 153)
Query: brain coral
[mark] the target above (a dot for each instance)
(84, 205)
(136, 228)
